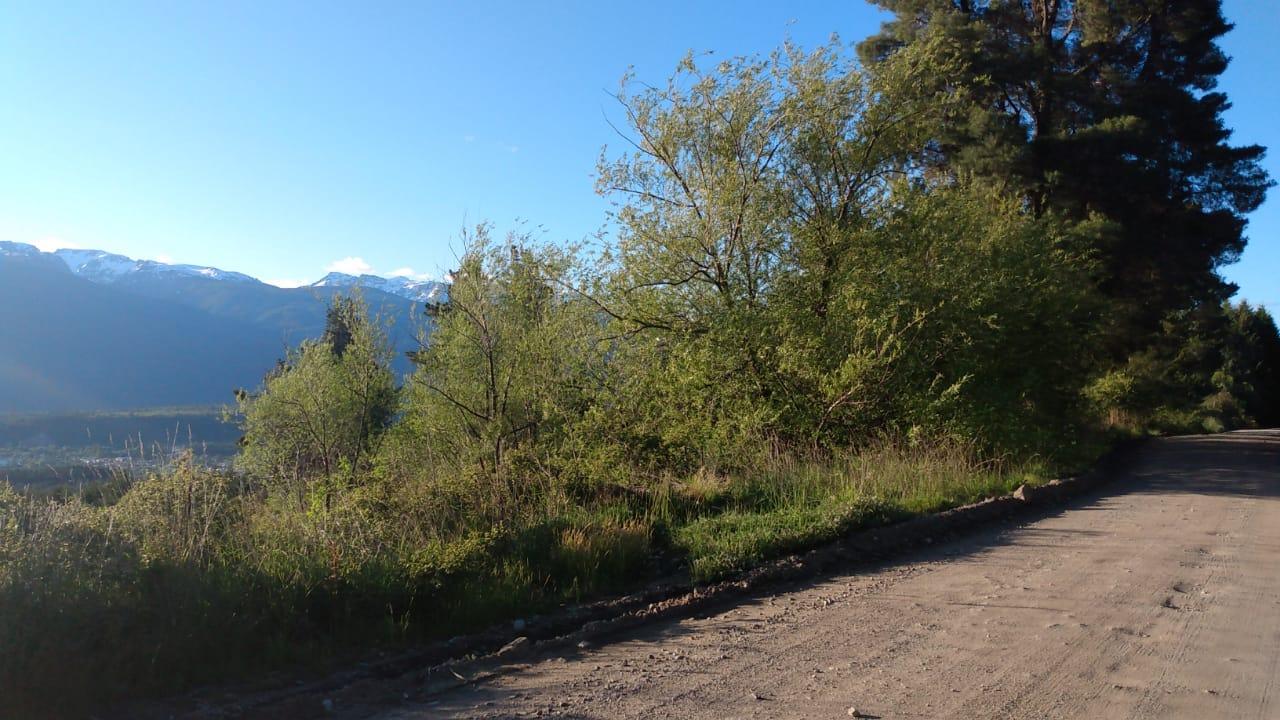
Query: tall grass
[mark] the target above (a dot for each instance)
(195, 575)
(796, 503)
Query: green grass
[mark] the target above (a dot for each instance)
(799, 505)
(193, 576)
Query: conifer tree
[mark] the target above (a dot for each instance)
(1100, 107)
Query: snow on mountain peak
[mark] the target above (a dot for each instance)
(424, 291)
(96, 264)
(108, 268)
(15, 249)
(100, 266)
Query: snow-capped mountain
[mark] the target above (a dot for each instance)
(89, 330)
(30, 256)
(109, 268)
(106, 267)
(423, 291)
(13, 249)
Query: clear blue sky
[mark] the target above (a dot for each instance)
(279, 138)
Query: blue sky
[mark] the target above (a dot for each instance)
(283, 139)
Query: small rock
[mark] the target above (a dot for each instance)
(515, 647)
(583, 645)
(1021, 492)
(519, 625)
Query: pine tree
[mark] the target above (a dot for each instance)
(1101, 107)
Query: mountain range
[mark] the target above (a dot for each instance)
(91, 330)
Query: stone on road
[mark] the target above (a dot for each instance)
(1156, 597)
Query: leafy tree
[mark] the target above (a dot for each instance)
(1210, 368)
(702, 223)
(955, 314)
(320, 415)
(508, 361)
(786, 266)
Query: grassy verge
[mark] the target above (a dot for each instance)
(192, 576)
(800, 505)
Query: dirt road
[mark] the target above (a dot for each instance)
(1157, 598)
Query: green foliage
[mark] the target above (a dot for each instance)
(782, 269)
(1213, 368)
(510, 359)
(1096, 107)
(1247, 382)
(185, 514)
(956, 315)
(795, 504)
(319, 417)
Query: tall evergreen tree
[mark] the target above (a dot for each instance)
(1100, 107)
(341, 319)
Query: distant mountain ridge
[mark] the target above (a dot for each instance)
(103, 267)
(100, 266)
(92, 330)
(423, 291)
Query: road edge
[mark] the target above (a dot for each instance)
(442, 666)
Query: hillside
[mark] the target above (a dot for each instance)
(86, 330)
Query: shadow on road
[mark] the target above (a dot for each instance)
(1238, 463)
